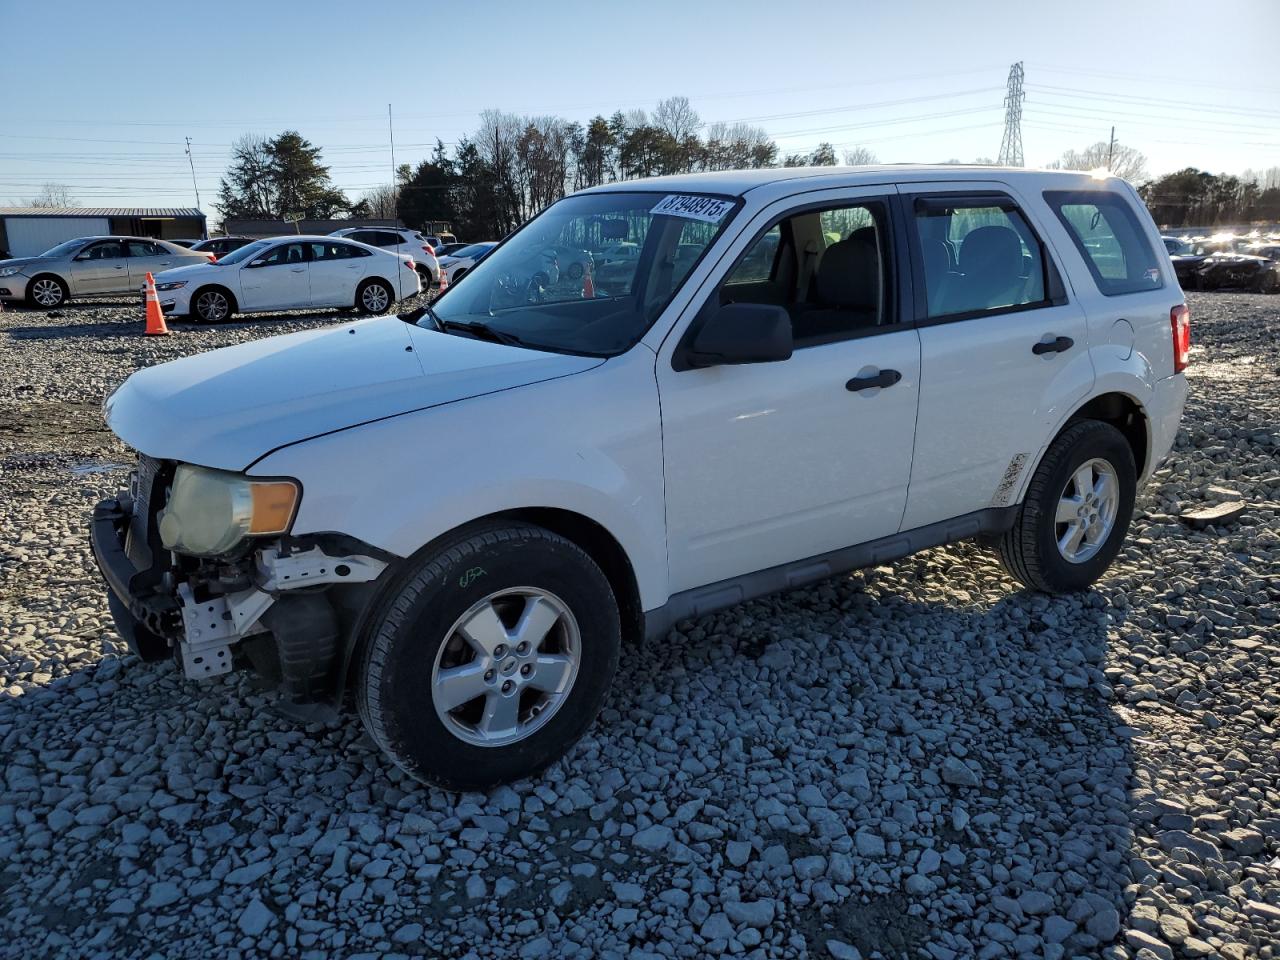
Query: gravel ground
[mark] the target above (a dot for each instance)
(913, 761)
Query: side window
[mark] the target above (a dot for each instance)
(1107, 233)
(828, 267)
(979, 255)
(285, 253)
(757, 265)
(385, 239)
(329, 250)
(107, 250)
(140, 248)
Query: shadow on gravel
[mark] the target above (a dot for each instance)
(928, 774)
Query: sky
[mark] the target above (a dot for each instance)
(106, 108)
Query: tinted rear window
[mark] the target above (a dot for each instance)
(1110, 238)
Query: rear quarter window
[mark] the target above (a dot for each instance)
(1109, 236)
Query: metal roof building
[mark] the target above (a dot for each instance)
(28, 231)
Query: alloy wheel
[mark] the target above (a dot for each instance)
(212, 306)
(1087, 509)
(375, 298)
(46, 292)
(506, 666)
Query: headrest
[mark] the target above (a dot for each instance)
(849, 274)
(992, 254)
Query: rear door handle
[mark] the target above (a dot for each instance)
(885, 378)
(1060, 345)
(297, 269)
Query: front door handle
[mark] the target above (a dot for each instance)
(297, 269)
(885, 378)
(1060, 345)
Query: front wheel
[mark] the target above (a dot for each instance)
(47, 292)
(491, 659)
(1076, 512)
(211, 306)
(374, 296)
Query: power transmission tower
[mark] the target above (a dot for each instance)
(1011, 145)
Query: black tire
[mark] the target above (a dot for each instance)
(1269, 282)
(212, 305)
(47, 282)
(365, 296)
(1029, 550)
(575, 271)
(395, 690)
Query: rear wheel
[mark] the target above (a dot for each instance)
(374, 296)
(492, 659)
(46, 292)
(211, 306)
(1076, 512)
(1269, 282)
(575, 271)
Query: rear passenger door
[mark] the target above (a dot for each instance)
(147, 257)
(336, 269)
(1003, 350)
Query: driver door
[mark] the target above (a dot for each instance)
(278, 279)
(100, 268)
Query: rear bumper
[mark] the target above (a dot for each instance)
(1164, 415)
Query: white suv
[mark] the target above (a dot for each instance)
(408, 243)
(457, 516)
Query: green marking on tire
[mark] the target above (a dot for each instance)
(471, 576)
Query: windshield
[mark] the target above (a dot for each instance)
(561, 284)
(246, 252)
(65, 248)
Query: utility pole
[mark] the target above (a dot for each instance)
(1011, 144)
(1111, 147)
(192, 164)
(392, 134)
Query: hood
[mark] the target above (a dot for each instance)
(190, 270)
(229, 407)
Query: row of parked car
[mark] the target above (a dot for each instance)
(1226, 261)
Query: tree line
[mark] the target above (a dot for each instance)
(513, 166)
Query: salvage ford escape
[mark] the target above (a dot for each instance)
(455, 516)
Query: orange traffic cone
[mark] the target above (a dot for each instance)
(155, 316)
(444, 281)
(588, 288)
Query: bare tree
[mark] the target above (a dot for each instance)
(378, 203)
(676, 118)
(54, 195)
(1126, 161)
(859, 157)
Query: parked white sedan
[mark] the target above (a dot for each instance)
(288, 273)
(461, 261)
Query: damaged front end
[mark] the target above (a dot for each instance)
(285, 607)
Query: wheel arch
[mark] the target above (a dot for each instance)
(584, 532)
(221, 288)
(51, 275)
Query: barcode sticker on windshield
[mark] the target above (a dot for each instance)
(706, 209)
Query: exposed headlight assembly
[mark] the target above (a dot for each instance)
(9, 271)
(171, 285)
(211, 511)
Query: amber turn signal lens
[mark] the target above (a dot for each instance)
(273, 506)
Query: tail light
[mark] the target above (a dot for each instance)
(426, 248)
(213, 257)
(411, 265)
(1180, 326)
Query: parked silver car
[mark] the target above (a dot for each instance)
(90, 267)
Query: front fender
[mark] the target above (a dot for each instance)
(589, 444)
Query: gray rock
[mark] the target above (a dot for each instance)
(758, 913)
(654, 839)
(255, 918)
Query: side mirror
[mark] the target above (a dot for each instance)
(258, 263)
(738, 333)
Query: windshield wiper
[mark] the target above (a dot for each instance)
(482, 331)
